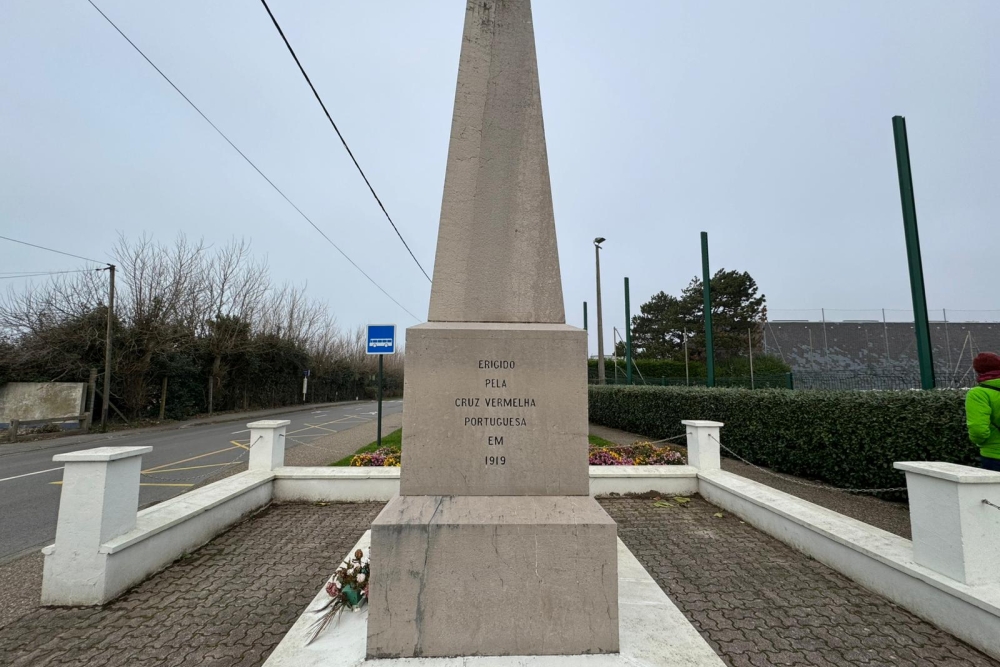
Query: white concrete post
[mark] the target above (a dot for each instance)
(703, 451)
(267, 444)
(99, 501)
(954, 531)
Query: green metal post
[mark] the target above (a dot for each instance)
(920, 318)
(628, 338)
(378, 430)
(584, 315)
(706, 281)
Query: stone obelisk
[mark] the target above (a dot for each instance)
(494, 545)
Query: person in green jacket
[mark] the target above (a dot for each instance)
(982, 410)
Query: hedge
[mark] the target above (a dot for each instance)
(849, 439)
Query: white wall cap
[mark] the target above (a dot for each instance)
(663, 471)
(701, 422)
(949, 471)
(337, 472)
(269, 423)
(101, 454)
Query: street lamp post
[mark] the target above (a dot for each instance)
(600, 322)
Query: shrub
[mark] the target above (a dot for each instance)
(848, 439)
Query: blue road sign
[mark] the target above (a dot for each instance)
(381, 339)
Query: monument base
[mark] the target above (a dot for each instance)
(493, 575)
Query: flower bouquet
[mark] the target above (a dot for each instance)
(347, 588)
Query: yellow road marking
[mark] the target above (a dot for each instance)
(210, 465)
(143, 484)
(238, 444)
(200, 456)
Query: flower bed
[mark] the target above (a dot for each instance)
(387, 456)
(602, 453)
(636, 454)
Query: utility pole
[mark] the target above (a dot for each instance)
(600, 325)
(628, 337)
(920, 319)
(106, 394)
(707, 289)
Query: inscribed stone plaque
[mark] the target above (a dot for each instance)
(495, 409)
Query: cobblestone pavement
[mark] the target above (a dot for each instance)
(887, 515)
(759, 603)
(228, 604)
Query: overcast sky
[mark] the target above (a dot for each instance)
(766, 124)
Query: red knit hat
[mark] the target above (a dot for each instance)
(986, 362)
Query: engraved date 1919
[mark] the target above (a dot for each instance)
(496, 460)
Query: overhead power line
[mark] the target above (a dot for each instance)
(249, 161)
(341, 137)
(60, 252)
(11, 275)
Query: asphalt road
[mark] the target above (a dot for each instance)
(30, 481)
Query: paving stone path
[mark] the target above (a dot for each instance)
(759, 603)
(228, 604)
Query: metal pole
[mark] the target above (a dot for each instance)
(921, 322)
(707, 289)
(628, 337)
(885, 326)
(947, 343)
(378, 429)
(106, 394)
(826, 348)
(600, 324)
(750, 343)
(687, 370)
(584, 315)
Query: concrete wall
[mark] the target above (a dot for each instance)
(41, 400)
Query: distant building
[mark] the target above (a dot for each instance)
(877, 355)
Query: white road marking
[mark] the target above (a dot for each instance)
(29, 474)
(246, 430)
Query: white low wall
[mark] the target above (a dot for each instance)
(305, 484)
(668, 480)
(876, 559)
(295, 484)
(162, 534)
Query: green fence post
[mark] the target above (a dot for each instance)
(628, 338)
(707, 288)
(789, 380)
(920, 318)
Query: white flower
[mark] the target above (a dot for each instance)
(350, 572)
(361, 578)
